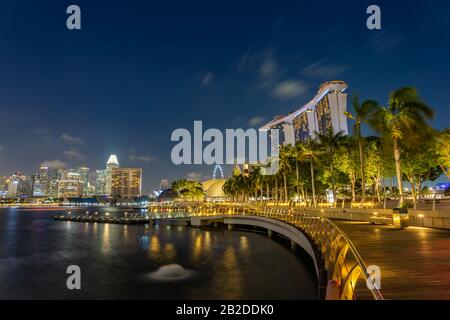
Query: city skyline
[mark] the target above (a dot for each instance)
(146, 86)
(74, 182)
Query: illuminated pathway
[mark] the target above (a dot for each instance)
(415, 262)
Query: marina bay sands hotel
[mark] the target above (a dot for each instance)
(324, 111)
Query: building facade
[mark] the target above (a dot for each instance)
(100, 182)
(70, 188)
(126, 182)
(111, 164)
(84, 177)
(41, 183)
(18, 186)
(324, 112)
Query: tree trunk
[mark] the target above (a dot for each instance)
(313, 186)
(302, 189)
(353, 181)
(297, 177)
(276, 189)
(377, 187)
(285, 188)
(398, 169)
(413, 188)
(333, 184)
(363, 170)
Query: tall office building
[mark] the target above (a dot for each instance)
(126, 182)
(100, 182)
(70, 188)
(18, 186)
(41, 183)
(111, 164)
(325, 111)
(84, 177)
(3, 187)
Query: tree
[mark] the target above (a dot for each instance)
(189, 190)
(418, 166)
(309, 152)
(346, 159)
(443, 151)
(404, 118)
(285, 166)
(328, 143)
(378, 163)
(362, 114)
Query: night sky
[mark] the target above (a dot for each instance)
(137, 70)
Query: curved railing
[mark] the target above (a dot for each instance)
(342, 262)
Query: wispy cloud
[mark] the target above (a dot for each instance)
(322, 69)
(243, 61)
(207, 78)
(140, 158)
(256, 121)
(73, 153)
(289, 89)
(383, 41)
(269, 67)
(71, 139)
(54, 164)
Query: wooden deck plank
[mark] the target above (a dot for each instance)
(414, 263)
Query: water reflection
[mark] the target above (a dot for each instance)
(105, 239)
(169, 251)
(197, 250)
(232, 284)
(154, 245)
(243, 243)
(207, 240)
(224, 264)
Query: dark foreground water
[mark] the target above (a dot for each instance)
(117, 261)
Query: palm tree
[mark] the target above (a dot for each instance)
(362, 114)
(255, 181)
(285, 167)
(309, 152)
(404, 117)
(329, 142)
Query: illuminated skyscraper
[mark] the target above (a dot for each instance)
(126, 182)
(70, 188)
(325, 111)
(18, 186)
(100, 182)
(84, 176)
(41, 183)
(111, 164)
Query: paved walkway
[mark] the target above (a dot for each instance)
(415, 263)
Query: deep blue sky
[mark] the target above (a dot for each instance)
(139, 69)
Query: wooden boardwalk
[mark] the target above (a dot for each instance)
(414, 263)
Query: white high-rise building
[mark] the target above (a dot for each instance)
(110, 165)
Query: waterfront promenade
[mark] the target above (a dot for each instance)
(414, 262)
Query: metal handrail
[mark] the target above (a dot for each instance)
(376, 293)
